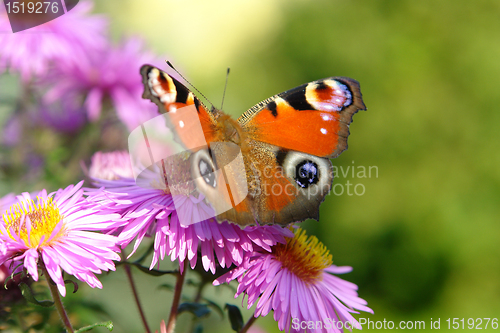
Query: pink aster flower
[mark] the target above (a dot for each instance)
(148, 209)
(110, 72)
(110, 166)
(32, 51)
(57, 231)
(220, 243)
(295, 280)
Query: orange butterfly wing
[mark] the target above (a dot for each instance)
(313, 118)
(171, 96)
(197, 129)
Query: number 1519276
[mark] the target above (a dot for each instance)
(472, 323)
(23, 7)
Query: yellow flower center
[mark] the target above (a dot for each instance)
(304, 256)
(43, 218)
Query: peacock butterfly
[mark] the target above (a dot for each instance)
(271, 165)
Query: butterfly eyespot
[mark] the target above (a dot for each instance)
(306, 173)
(312, 175)
(207, 172)
(203, 170)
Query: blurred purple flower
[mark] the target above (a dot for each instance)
(12, 131)
(296, 281)
(110, 166)
(110, 72)
(64, 115)
(31, 52)
(58, 231)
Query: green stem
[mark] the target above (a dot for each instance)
(136, 297)
(57, 301)
(249, 323)
(197, 298)
(172, 319)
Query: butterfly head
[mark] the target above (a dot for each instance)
(230, 130)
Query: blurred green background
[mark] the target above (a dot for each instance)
(423, 238)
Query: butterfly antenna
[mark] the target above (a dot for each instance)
(225, 86)
(199, 92)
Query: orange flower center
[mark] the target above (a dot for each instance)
(304, 256)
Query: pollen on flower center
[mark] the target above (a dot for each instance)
(304, 256)
(33, 222)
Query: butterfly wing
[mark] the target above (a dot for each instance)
(298, 131)
(217, 167)
(313, 118)
(194, 127)
(276, 194)
(170, 96)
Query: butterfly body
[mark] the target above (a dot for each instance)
(275, 157)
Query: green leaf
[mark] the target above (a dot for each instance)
(107, 324)
(235, 317)
(191, 282)
(198, 329)
(13, 275)
(199, 310)
(75, 285)
(28, 295)
(7, 279)
(166, 286)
